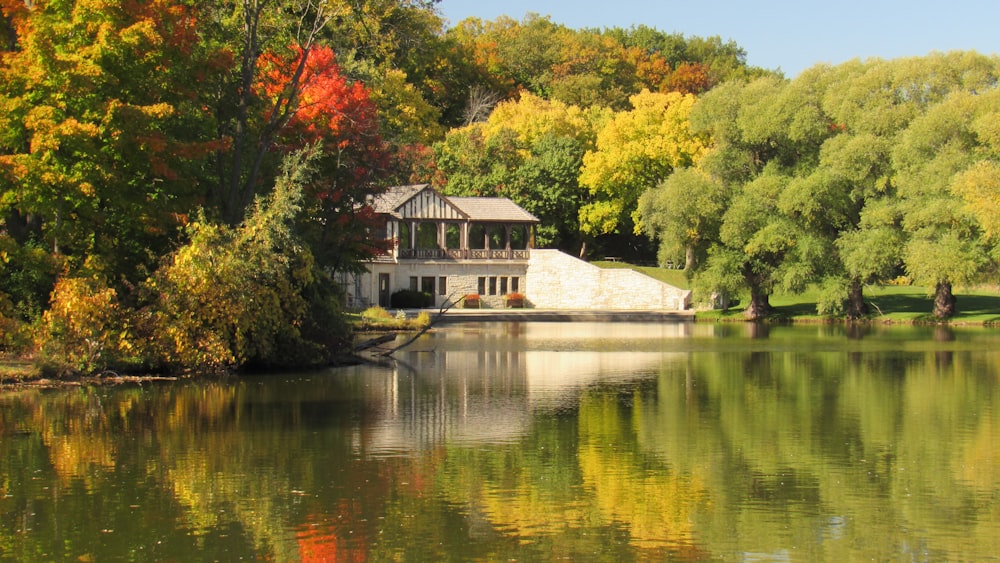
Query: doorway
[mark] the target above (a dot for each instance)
(384, 296)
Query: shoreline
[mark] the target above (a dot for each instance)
(19, 373)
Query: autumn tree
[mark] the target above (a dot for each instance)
(635, 151)
(197, 312)
(338, 115)
(531, 151)
(101, 132)
(250, 118)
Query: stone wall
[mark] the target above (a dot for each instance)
(559, 281)
(550, 280)
(461, 278)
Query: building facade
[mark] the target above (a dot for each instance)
(453, 247)
(448, 247)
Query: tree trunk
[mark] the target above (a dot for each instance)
(856, 306)
(689, 259)
(760, 305)
(944, 300)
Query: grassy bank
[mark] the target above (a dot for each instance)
(898, 304)
(902, 304)
(673, 277)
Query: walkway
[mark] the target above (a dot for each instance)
(563, 315)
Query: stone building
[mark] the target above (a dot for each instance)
(452, 247)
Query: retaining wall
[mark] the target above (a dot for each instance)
(556, 280)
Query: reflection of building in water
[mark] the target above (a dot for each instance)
(480, 385)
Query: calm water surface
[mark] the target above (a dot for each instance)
(532, 442)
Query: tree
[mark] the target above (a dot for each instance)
(685, 214)
(946, 242)
(339, 116)
(101, 130)
(529, 150)
(248, 122)
(636, 150)
(758, 143)
(198, 301)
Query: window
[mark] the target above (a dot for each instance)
(498, 237)
(482, 286)
(453, 236)
(427, 284)
(442, 285)
(515, 284)
(413, 283)
(427, 235)
(404, 235)
(493, 285)
(503, 285)
(519, 237)
(477, 236)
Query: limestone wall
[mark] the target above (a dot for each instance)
(556, 280)
(550, 280)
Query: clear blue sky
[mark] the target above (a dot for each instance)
(788, 34)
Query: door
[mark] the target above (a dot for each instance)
(384, 296)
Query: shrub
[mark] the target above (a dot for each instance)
(13, 331)
(375, 313)
(83, 329)
(410, 299)
(252, 295)
(423, 319)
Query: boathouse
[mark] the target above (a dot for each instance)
(453, 247)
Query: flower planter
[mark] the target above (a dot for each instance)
(471, 302)
(515, 301)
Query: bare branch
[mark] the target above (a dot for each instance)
(445, 307)
(480, 105)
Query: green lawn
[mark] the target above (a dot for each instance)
(673, 277)
(889, 303)
(902, 304)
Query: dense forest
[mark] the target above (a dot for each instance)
(179, 179)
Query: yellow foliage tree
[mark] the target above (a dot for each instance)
(637, 150)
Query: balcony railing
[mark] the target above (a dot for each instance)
(463, 254)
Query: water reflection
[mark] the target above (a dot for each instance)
(532, 441)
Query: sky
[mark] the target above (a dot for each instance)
(790, 35)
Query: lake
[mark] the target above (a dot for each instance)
(532, 442)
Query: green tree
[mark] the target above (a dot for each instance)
(752, 157)
(945, 243)
(685, 214)
(249, 295)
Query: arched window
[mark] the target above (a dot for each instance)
(453, 236)
(477, 236)
(519, 237)
(498, 236)
(404, 235)
(427, 235)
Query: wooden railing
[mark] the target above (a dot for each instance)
(463, 254)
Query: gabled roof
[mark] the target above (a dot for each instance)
(391, 200)
(493, 209)
(496, 209)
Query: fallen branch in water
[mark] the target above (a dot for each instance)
(374, 342)
(448, 304)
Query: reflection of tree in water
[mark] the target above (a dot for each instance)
(945, 357)
(715, 453)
